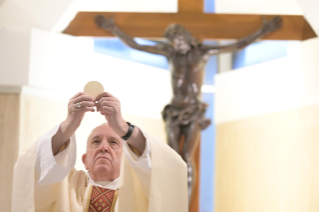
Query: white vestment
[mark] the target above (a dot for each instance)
(155, 181)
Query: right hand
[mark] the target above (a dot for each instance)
(273, 24)
(105, 23)
(75, 114)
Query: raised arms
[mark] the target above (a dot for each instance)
(109, 25)
(73, 120)
(268, 27)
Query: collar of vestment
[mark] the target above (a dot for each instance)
(114, 185)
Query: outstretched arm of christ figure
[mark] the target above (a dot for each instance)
(109, 25)
(268, 27)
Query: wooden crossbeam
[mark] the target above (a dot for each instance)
(190, 6)
(190, 14)
(202, 26)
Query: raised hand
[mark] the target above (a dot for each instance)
(272, 25)
(110, 107)
(77, 107)
(105, 23)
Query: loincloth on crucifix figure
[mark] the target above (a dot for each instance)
(186, 122)
(182, 116)
(187, 57)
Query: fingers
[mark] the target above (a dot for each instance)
(264, 19)
(104, 22)
(99, 20)
(272, 25)
(107, 110)
(108, 104)
(81, 98)
(86, 109)
(277, 19)
(82, 109)
(98, 17)
(87, 104)
(107, 101)
(104, 94)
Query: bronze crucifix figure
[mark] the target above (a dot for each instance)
(187, 57)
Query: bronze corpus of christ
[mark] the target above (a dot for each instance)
(187, 57)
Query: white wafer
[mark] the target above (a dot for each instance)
(93, 88)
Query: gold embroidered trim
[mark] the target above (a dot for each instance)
(116, 194)
(88, 198)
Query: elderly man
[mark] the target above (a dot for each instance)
(148, 176)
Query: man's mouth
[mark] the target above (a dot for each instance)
(102, 157)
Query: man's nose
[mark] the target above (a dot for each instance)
(104, 146)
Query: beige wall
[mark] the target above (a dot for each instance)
(9, 145)
(23, 119)
(267, 118)
(38, 115)
(269, 163)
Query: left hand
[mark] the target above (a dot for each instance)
(110, 107)
(105, 23)
(273, 24)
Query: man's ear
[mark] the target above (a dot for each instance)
(84, 156)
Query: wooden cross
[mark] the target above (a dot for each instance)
(190, 14)
(202, 26)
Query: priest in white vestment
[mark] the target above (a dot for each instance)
(148, 177)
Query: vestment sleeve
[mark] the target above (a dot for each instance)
(142, 165)
(49, 168)
(167, 182)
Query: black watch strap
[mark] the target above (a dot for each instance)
(129, 132)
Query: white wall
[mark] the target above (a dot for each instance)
(54, 66)
(163, 6)
(129, 5)
(279, 7)
(278, 85)
(14, 56)
(310, 8)
(32, 13)
(65, 64)
(55, 15)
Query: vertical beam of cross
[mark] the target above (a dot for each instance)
(190, 6)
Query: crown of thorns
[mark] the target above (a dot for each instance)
(176, 29)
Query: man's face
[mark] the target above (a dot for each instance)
(180, 44)
(103, 156)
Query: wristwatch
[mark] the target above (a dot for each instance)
(129, 132)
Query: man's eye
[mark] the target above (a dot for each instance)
(96, 141)
(113, 142)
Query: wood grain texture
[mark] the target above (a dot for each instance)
(190, 5)
(9, 145)
(202, 26)
(194, 203)
(269, 163)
